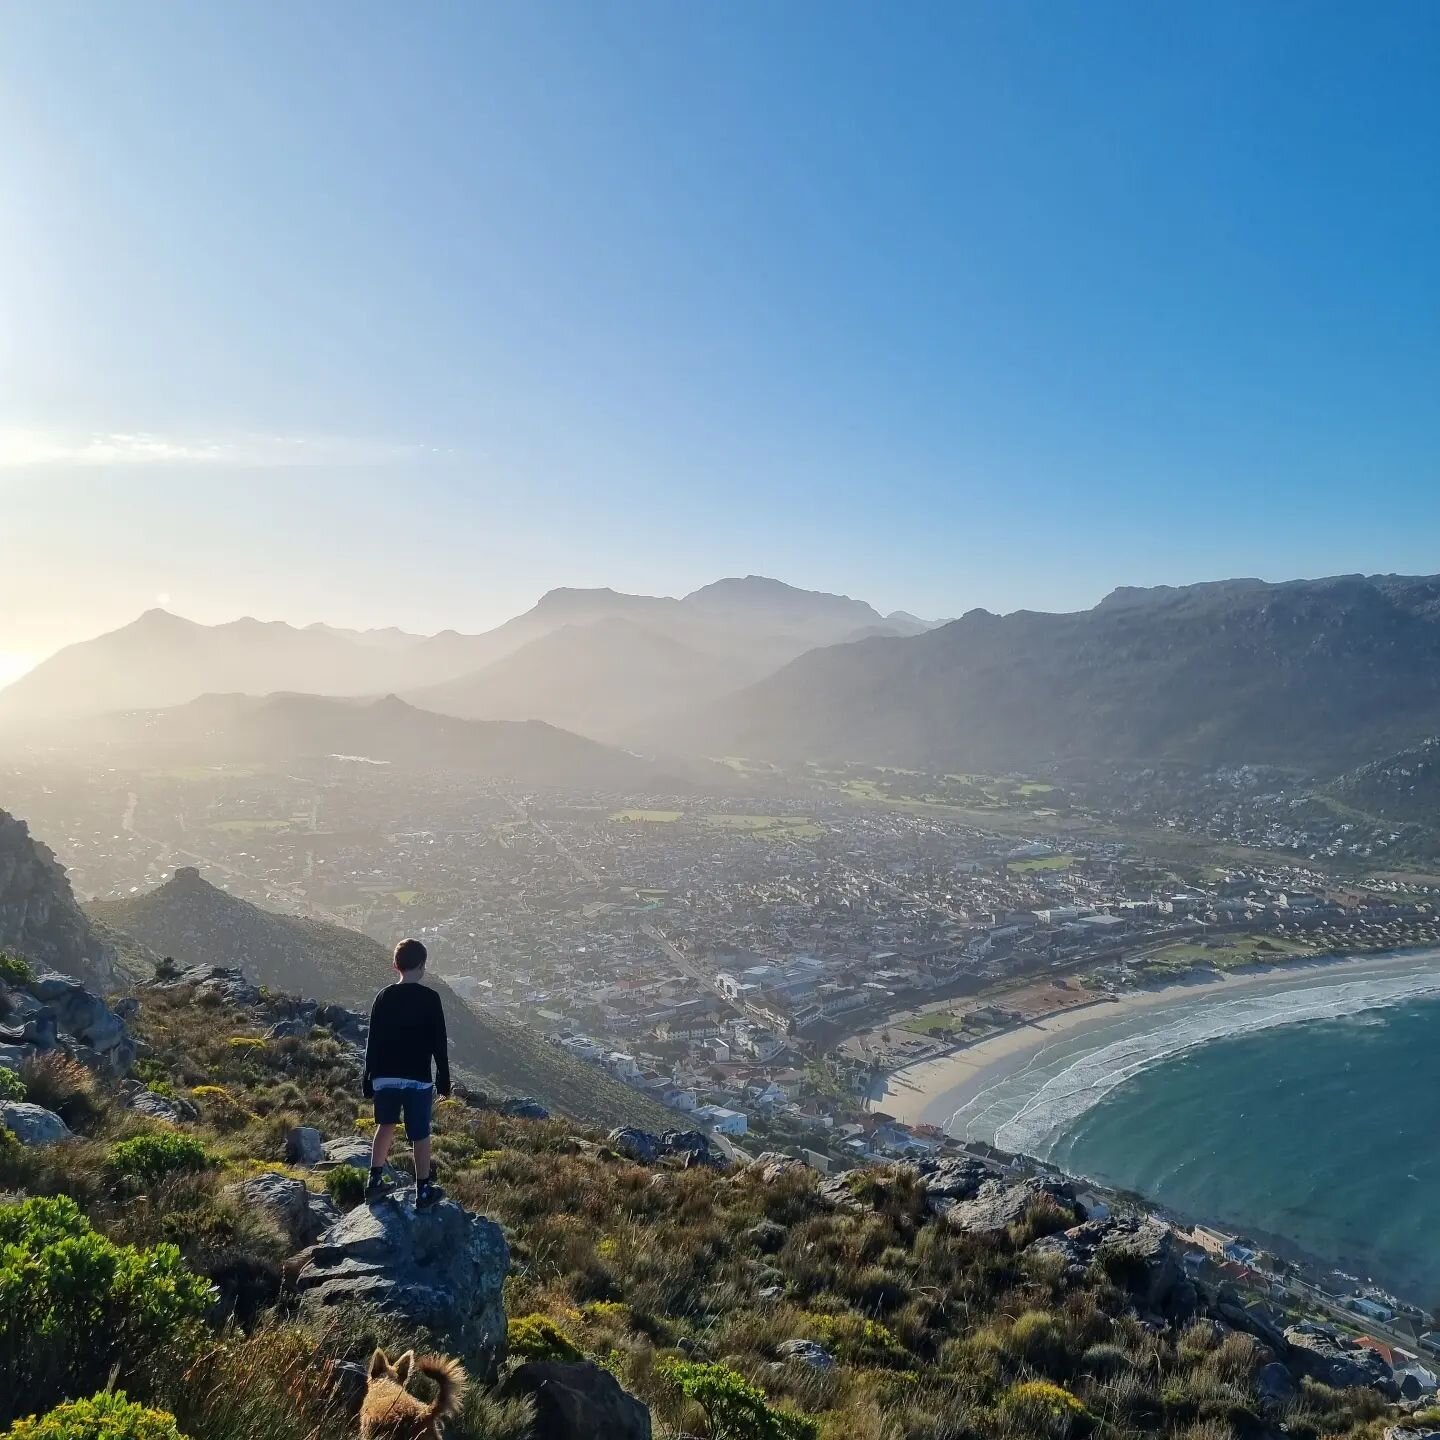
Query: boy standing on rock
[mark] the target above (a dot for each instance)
(407, 1033)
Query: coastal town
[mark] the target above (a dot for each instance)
(761, 972)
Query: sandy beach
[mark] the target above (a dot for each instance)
(931, 1091)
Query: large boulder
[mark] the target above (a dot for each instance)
(159, 1107)
(305, 1145)
(694, 1147)
(442, 1269)
(32, 1124)
(1145, 1257)
(997, 1205)
(1322, 1355)
(806, 1352)
(302, 1217)
(949, 1181)
(578, 1401)
(637, 1145)
(773, 1165)
(65, 1008)
(226, 982)
(1275, 1386)
(523, 1107)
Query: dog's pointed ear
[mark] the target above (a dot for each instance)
(379, 1364)
(404, 1365)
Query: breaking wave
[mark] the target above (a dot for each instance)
(1029, 1109)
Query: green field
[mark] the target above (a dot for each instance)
(1043, 862)
(646, 817)
(1228, 951)
(783, 827)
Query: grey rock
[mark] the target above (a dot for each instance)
(12, 1057)
(524, 1107)
(1324, 1356)
(287, 1202)
(32, 1124)
(1145, 1256)
(288, 1030)
(693, 1146)
(305, 1145)
(578, 1401)
(82, 1014)
(771, 1165)
(770, 1292)
(806, 1352)
(344, 1150)
(637, 1145)
(952, 1180)
(835, 1190)
(442, 1268)
(1275, 1385)
(997, 1205)
(226, 982)
(1412, 1432)
(160, 1107)
(1229, 1308)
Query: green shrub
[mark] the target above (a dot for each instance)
(1036, 1407)
(12, 1087)
(148, 1158)
(14, 970)
(734, 1409)
(108, 1416)
(74, 1305)
(537, 1337)
(345, 1185)
(153, 1075)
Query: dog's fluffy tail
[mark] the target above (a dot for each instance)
(449, 1375)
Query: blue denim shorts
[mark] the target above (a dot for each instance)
(415, 1105)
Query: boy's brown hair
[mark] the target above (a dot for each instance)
(410, 955)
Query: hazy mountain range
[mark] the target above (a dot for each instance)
(1320, 674)
(597, 661)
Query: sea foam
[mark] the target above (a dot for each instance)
(1030, 1109)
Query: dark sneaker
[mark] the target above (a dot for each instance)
(428, 1195)
(378, 1187)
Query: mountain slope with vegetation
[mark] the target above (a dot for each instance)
(756, 1304)
(1324, 673)
(39, 915)
(192, 921)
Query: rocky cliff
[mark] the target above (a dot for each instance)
(39, 917)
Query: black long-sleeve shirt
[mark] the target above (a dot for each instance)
(407, 1032)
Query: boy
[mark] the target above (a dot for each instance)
(407, 1032)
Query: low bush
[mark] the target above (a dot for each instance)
(1040, 1408)
(537, 1337)
(12, 1087)
(733, 1408)
(108, 1416)
(147, 1159)
(74, 1305)
(14, 970)
(345, 1185)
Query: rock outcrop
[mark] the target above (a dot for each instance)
(442, 1269)
(999, 1204)
(300, 1214)
(32, 1124)
(578, 1401)
(56, 1012)
(689, 1147)
(39, 916)
(1323, 1356)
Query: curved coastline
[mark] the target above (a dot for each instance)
(1022, 1088)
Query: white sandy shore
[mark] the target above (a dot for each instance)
(931, 1091)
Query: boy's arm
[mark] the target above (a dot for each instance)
(440, 1046)
(367, 1088)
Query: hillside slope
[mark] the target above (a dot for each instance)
(39, 915)
(1326, 673)
(196, 923)
(278, 729)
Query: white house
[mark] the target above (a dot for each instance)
(721, 1120)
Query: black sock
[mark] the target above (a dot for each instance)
(376, 1171)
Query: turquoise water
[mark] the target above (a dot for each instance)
(1303, 1108)
(1325, 1133)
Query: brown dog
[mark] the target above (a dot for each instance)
(390, 1412)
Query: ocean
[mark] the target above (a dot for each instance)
(1304, 1111)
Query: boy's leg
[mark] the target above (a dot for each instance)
(422, 1160)
(380, 1145)
(418, 1106)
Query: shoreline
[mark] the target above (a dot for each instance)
(931, 1091)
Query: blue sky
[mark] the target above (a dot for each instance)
(381, 313)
